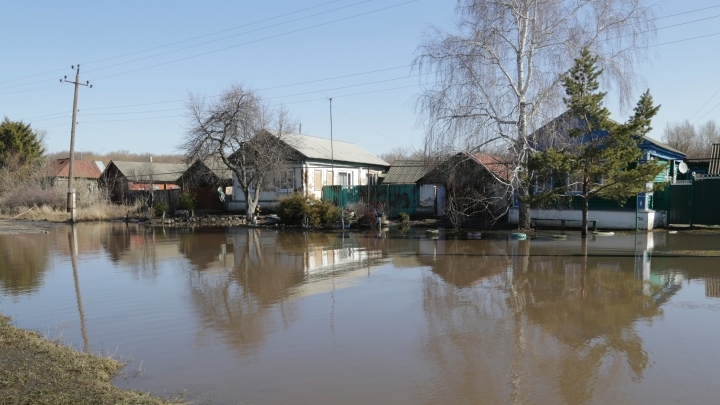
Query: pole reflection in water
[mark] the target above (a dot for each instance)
(72, 238)
(266, 316)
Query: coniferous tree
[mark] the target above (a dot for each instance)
(599, 157)
(17, 138)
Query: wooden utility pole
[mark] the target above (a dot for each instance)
(332, 154)
(71, 190)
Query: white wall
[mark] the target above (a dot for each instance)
(304, 174)
(605, 219)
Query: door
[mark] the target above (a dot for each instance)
(440, 205)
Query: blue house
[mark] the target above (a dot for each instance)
(638, 211)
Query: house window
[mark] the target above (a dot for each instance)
(345, 179)
(372, 179)
(318, 180)
(285, 180)
(329, 179)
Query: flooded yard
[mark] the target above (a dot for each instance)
(256, 316)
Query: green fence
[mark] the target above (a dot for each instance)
(694, 202)
(393, 198)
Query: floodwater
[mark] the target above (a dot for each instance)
(252, 316)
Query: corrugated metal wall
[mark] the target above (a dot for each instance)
(395, 198)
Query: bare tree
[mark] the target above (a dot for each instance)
(707, 135)
(680, 136)
(695, 142)
(402, 153)
(495, 79)
(249, 137)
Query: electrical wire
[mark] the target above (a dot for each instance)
(175, 43)
(256, 41)
(255, 23)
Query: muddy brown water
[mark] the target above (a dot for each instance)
(254, 316)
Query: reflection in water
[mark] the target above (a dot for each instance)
(489, 335)
(72, 239)
(270, 270)
(23, 262)
(436, 321)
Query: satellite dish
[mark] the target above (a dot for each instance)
(683, 167)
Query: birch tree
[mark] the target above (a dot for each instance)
(244, 133)
(495, 77)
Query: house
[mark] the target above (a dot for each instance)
(405, 172)
(203, 178)
(123, 178)
(85, 173)
(475, 185)
(318, 162)
(638, 211)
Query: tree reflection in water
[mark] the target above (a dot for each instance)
(23, 262)
(522, 328)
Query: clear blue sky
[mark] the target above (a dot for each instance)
(137, 102)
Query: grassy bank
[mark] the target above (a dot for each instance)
(97, 212)
(34, 370)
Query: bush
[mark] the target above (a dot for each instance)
(161, 208)
(34, 194)
(404, 217)
(294, 209)
(187, 201)
(324, 213)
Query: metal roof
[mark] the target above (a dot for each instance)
(405, 172)
(147, 171)
(82, 169)
(662, 145)
(319, 148)
(559, 127)
(715, 159)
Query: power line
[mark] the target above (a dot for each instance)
(232, 29)
(224, 38)
(254, 23)
(27, 90)
(196, 45)
(258, 40)
(217, 95)
(136, 112)
(357, 74)
(132, 119)
(175, 43)
(688, 12)
(341, 88)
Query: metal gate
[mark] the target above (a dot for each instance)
(679, 212)
(695, 201)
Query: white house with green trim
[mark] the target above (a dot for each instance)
(320, 163)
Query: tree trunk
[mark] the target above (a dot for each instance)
(524, 208)
(523, 184)
(585, 200)
(250, 204)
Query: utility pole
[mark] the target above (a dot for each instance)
(332, 154)
(71, 190)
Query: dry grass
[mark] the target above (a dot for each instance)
(34, 370)
(96, 212)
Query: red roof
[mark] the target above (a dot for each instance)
(83, 169)
(494, 164)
